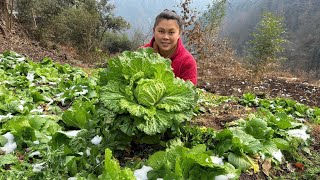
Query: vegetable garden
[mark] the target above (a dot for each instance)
(135, 120)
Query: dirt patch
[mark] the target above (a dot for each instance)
(230, 76)
(269, 87)
(217, 117)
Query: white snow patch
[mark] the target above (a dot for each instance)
(142, 174)
(263, 156)
(38, 167)
(20, 59)
(9, 116)
(43, 79)
(73, 133)
(72, 178)
(83, 92)
(88, 152)
(217, 160)
(11, 145)
(52, 83)
(96, 140)
(63, 101)
(225, 177)
(59, 95)
(30, 76)
(48, 99)
(301, 120)
(272, 106)
(39, 110)
(299, 133)
(36, 153)
(20, 107)
(277, 155)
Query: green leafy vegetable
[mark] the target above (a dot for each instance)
(142, 86)
(183, 163)
(112, 169)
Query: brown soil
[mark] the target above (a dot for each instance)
(217, 117)
(271, 87)
(225, 76)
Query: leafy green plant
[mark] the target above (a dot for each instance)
(316, 115)
(112, 169)
(141, 90)
(183, 163)
(62, 122)
(194, 135)
(249, 99)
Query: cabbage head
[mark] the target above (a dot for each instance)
(149, 91)
(140, 86)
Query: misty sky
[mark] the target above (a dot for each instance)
(141, 13)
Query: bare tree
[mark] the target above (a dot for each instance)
(11, 15)
(6, 16)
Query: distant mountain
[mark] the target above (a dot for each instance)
(141, 13)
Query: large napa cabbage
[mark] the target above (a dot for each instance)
(141, 89)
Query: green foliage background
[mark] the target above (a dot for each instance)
(84, 24)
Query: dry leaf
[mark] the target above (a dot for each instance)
(266, 166)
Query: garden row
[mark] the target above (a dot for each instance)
(56, 122)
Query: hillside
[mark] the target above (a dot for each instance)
(300, 20)
(19, 41)
(233, 79)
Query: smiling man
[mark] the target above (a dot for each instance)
(167, 42)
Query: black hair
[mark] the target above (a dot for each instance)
(169, 14)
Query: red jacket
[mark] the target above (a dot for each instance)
(182, 62)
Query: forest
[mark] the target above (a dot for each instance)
(301, 22)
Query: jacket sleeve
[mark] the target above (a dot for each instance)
(189, 70)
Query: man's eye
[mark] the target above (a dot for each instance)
(171, 32)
